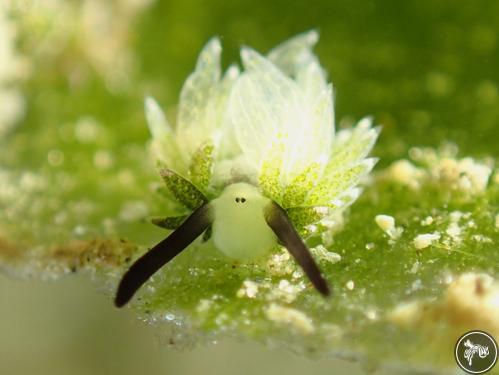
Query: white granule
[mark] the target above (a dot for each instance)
(404, 172)
(249, 289)
(371, 314)
(422, 241)
(454, 231)
(427, 221)
(406, 313)
(385, 222)
(324, 254)
(387, 225)
(470, 299)
(350, 285)
(481, 238)
(286, 292)
(287, 315)
(455, 216)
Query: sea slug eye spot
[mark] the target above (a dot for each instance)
(237, 199)
(243, 200)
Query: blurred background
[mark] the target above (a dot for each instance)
(76, 71)
(66, 327)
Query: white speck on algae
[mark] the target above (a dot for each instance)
(295, 318)
(249, 289)
(405, 173)
(350, 285)
(385, 222)
(427, 221)
(422, 241)
(285, 291)
(441, 167)
(454, 231)
(322, 254)
(280, 264)
(387, 225)
(471, 301)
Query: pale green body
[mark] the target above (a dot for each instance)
(239, 228)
